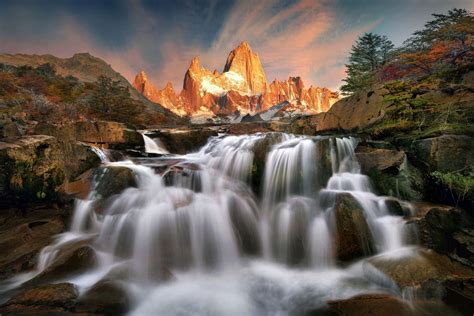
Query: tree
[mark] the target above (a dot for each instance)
(445, 43)
(370, 52)
(110, 100)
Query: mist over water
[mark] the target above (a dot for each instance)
(202, 238)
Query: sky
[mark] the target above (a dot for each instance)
(307, 38)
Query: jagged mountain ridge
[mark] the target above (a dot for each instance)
(242, 87)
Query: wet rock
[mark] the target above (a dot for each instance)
(414, 269)
(379, 160)
(31, 168)
(21, 239)
(51, 299)
(112, 180)
(371, 304)
(183, 141)
(103, 133)
(444, 153)
(354, 238)
(261, 149)
(390, 172)
(80, 188)
(106, 297)
(70, 261)
(446, 229)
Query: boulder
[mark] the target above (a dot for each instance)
(33, 167)
(444, 153)
(50, 299)
(102, 133)
(446, 229)
(183, 141)
(21, 238)
(260, 151)
(371, 304)
(112, 180)
(76, 259)
(106, 297)
(419, 267)
(354, 238)
(390, 172)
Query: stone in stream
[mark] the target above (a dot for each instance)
(46, 300)
(106, 297)
(75, 259)
(23, 236)
(354, 238)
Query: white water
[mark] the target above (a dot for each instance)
(153, 146)
(230, 252)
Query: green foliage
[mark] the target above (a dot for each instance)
(370, 52)
(110, 100)
(459, 183)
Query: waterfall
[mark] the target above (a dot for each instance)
(201, 218)
(103, 155)
(153, 146)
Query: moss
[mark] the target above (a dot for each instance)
(460, 183)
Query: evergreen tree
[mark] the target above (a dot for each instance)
(370, 52)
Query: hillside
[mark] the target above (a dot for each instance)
(84, 67)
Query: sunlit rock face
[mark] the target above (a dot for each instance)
(242, 87)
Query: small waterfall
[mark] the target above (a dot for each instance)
(154, 146)
(103, 155)
(201, 221)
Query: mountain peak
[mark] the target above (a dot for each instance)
(244, 45)
(195, 64)
(247, 64)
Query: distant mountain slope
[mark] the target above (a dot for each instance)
(84, 67)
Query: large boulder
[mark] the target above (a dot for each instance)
(22, 238)
(446, 229)
(183, 141)
(30, 168)
(106, 297)
(419, 267)
(73, 260)
(51, 299)
(354, 238)
(390, 172)
(33, 167)
(371, 304)
(444, 153)
(101, 133)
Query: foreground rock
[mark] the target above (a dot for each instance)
(354, 238)
(370, 304)
(446, 229)
(33, 167)
(101, 133)
(104, 298)
(70, 261)
(22, 237)
(444, 153)
(183, 141)
(416, 269)
(390, 172)
(51, 299)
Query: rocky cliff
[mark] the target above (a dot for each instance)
(242, 87)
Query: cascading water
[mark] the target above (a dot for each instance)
(230, 251)
(153, 146)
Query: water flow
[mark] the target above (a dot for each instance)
(201, 218)
(154, 146)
